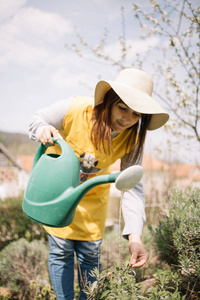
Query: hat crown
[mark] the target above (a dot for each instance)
(136, 79)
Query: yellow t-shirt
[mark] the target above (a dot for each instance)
(90, 215)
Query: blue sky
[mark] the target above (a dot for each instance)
(37, 69)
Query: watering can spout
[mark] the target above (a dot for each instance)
(54, 191)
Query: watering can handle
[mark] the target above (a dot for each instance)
(42, 148)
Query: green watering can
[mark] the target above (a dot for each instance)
(54, 191)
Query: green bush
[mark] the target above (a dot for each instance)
(117, 283)
(22, 266)
(14, 224)
(177, 238)
(166, 287)
(120, 283)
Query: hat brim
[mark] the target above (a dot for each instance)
(137, 100)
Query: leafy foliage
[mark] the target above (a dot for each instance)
(177, 237)
(120, 283)
(42, 290)
(167, 287)
(24, 262)
(14, 224)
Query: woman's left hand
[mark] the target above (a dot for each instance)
(139, 255)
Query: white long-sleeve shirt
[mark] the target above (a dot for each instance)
(133, 203)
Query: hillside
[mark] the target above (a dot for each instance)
(18, 143)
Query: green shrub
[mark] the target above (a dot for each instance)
(166, 287)
(117, 283)
(120, 283)
(14, 224)
(42, 290)
(177, 238)
(23, 263)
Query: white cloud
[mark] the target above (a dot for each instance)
(31, 35)
(9, 7)
(19, 52)
(38, 22)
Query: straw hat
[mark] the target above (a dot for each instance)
(135, 88)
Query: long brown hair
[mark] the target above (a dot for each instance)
(101, 130)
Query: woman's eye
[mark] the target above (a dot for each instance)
(136, 114)
(122, 108)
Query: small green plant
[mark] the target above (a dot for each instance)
(167, 287)
(42, 290)
(177, 239)
(21, 263)
(6, 294)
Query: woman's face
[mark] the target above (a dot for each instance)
(123, 117)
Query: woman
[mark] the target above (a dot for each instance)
(100, 131)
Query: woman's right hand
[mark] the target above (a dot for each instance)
(46, 135)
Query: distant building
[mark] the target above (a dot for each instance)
(185, 175)
(158, 179)
(13, 178)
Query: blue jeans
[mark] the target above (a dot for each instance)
(61, 265)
